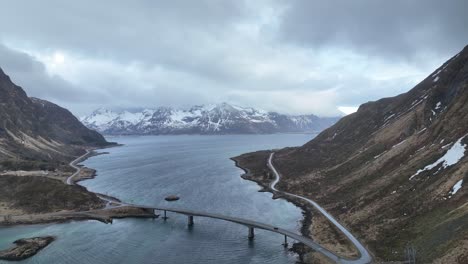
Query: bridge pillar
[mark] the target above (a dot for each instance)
(251, 233)
(165, 216)
(190, 220)
(285, 241)
(155, 213)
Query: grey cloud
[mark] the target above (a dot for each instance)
(399, 28)
(183, 35)
(31, 75)
(151, 53)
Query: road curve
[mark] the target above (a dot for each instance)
(72, 164)
(364, 257)
(70, 181)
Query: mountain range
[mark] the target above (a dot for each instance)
(394, 172)
(205, 119)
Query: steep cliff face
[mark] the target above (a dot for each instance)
(34, 129)
(396, 171)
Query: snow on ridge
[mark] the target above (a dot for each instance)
(399, 143)
(436, 79)
(422, 130)
(417, 102)
(130, 117)
(388, 117)
(378, 156)
(437, 73)
(451, 157)
(100, 117)
(206, 118)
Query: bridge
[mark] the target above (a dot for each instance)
(364, 257)
(251, 226)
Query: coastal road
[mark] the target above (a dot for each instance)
(71, 181)
(73, 163)
(364, 257)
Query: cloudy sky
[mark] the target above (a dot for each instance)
(289, 56)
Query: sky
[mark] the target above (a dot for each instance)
(294, 57)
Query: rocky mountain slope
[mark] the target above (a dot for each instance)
(37, 130)
(212, 119)
(394, 172)
(37, 141)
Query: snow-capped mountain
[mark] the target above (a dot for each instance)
(206, 119)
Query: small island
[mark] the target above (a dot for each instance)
(172, 198)
(26, 248)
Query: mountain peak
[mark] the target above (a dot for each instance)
(222, 118)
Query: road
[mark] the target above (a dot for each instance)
(73, 163)
(258, 225)
(70, 181)
(364, 257)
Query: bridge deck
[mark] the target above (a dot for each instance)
(249, 223)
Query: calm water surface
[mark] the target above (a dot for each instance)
(198, 169)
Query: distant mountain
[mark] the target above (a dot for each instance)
(396, 171)
(211, 119)
(32, 129)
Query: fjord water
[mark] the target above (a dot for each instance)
(196, 168)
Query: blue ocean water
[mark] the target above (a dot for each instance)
(196, 168)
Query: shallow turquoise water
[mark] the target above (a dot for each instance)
(197, 168)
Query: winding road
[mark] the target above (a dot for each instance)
(72, 164)
(364, 257)
(71, 181)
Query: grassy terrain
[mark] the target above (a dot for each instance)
(34, 195)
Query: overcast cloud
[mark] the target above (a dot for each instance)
(288, 56)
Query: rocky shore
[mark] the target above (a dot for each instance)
(39, 199)
(104, 215)
(255, 169)
(25, 248)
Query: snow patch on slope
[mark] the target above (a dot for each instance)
(456, 187)
(451, 157)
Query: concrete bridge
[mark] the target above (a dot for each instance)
(251, 226)
(364, 257)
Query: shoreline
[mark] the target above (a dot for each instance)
(112, 208)
(306, 220)
(306, 255)
(116, 209)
